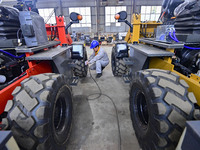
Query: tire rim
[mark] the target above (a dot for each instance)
(61, 114)
(142, 111)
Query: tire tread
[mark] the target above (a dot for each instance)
(26, 117)
(172, 105)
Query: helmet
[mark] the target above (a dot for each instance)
(94, 44)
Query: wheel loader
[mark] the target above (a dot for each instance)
(163, 72)
(36, 75)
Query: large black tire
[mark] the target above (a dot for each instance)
(40, 115)
(80, 69)
(119, 68)
(160, 104)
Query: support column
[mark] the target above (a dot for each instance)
(98, 15)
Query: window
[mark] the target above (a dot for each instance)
(150, 13)
(121, 47)
(48, 14)
(85, 12)
(78, 49)
(110, 14)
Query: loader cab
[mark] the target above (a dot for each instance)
(77, 50)
(121, 49)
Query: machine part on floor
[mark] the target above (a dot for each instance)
(99, 94)
(160, 104)
(119, 51)
(40, 115)
(87, 40)
(7, 142)
(110, 39)
(79, 54)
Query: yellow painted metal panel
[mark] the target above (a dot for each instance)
(127, 36)
(140, 29)
(136, 28)
(158, 63)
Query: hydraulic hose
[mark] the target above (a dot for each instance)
(172, 37)
(115, 107)
(192, 48)
(176, 40)
(17, 57)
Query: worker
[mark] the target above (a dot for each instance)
(98, 60)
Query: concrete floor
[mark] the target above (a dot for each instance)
(95, 124)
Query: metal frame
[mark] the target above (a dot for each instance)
(58, 31)
(133, 37)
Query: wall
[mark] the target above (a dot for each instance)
(97, 11)
(140, 3)
(113, 27)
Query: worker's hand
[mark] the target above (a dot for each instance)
(86, 62)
